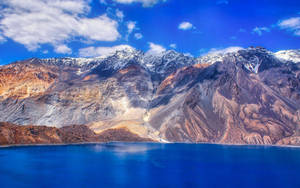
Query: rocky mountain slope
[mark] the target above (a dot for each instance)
(251, 96)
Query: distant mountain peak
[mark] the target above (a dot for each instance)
(254, 59)
(288, 55)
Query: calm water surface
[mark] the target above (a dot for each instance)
(149, 165)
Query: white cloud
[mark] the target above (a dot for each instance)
(231, 49)
(260, 30)
(120, 14)
(131, 25)
(174, 46)
(102, 51)
(145, 3)
(36, 22)
(185, 26)
(291, 24)
(138, 36)
(155, 49)
(101, 28)
(62, 49)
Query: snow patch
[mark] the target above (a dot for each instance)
(288, 56)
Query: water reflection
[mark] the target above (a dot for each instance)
(123, 148)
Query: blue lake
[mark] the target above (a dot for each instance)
(149, 165)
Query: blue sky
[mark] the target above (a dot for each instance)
(83, 28)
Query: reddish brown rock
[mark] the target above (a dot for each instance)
(11, 134)
(122, 135)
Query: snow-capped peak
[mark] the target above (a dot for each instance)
(216, 55)
(73, 62)
(288, 55)
(126, 53)
(166, 61)
(252, 59)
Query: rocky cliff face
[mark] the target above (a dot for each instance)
(251, 96)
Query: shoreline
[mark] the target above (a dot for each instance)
(169, 143)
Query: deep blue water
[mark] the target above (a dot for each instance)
(149, 165)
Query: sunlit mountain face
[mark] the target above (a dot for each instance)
(246, 96)
(214, 71)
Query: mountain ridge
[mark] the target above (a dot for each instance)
(250, 96)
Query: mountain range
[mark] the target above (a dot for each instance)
(247, 96)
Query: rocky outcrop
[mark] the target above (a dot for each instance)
(249, 96)
(11, 134)
(121, 135)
